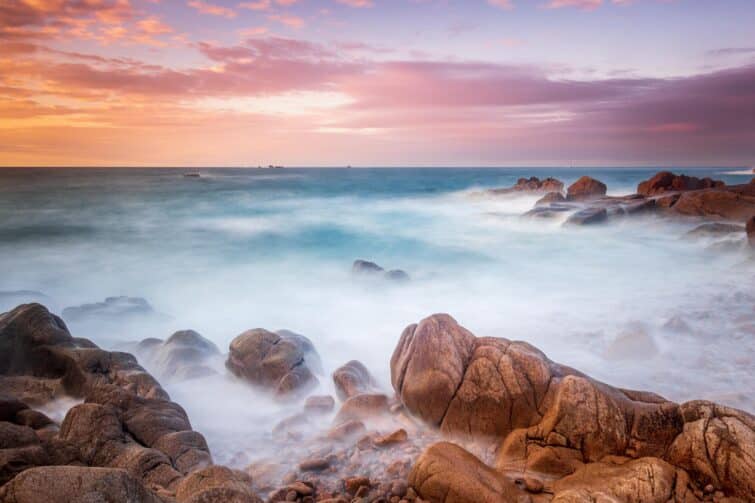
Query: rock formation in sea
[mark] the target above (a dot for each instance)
(532, 185)
(471, 419)
(366, 269)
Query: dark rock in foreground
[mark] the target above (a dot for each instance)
(576, 438)
(588, 216)
(126, 442)
(281, 362)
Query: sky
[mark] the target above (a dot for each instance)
(377, 82)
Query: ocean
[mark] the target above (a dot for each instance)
(242, 248)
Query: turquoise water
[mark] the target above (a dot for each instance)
(237, 249)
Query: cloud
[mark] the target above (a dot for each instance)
(212, 9)
(580, 4)
(502, 4)
(287, 20)
(359, 4)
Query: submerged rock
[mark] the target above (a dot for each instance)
(550, 197)
(714, 229)
(583, 438)
(588, 216)
(112, 309)
(184, 355)
(666, 181)
(365, 268)
(585, 188)
(281, 362)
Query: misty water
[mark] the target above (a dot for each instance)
(631, 303)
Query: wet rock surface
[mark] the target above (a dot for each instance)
(585, 188)
(125, 441)
(583, 439)
(666, 181)
(184, 355)
(282, 362)
(473, 419)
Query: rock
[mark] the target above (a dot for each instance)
(365, 268)
(279, 362)
(734, 202)
(550, 211)
(127, 420)
(750, 229)
(112, 309)
(184, 355)
(634, 344)
(588, 216)
(550, 197)
(447, 473)
(319, 404)
(352, 484)
(713, 229)
(397, 275)
(531, 185)
(347, 430)
(397, 437)
(75, 484)
(667, 202)
(362, 407)
(315, 464)
(550, 420)
(665, 181)
(585, 188)
(353, 379)
(216, 484)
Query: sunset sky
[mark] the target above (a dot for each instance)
(377, 82)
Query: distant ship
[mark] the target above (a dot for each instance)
(192, 174)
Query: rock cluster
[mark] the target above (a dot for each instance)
(665, 181)
(559, 435)
(531, 185)
(125, 441)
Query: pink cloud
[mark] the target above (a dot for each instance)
(286, 20)
(359, 4)
(503, 4)
(580, 4)
(212, 9)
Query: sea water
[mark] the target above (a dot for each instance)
(630, 302)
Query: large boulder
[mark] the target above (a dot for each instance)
(666, 181)
(76, 484)
(550, 420)
(585, 188)
(282, 362)
(733, 202)
(216, 484)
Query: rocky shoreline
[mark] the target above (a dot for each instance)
(469, 419)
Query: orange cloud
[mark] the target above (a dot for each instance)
(212, 9)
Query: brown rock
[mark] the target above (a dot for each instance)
(362, 407)
(588, 216)
(315, 464)
(397, 437)
(347, 430)
(734, 202)
(216, 484)
(353, 379)
(665, 181)
(319, 404)
(184, 355)
(75, 484)
(585, 188)
(750, 229)
(279, 361)
(531, 185)
(447, 473)
(352, 484)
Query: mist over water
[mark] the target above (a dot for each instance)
(239, 249)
